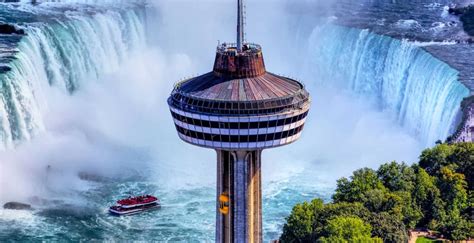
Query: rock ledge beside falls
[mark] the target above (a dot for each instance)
(9, 29)
(467, 17)
(17, 206)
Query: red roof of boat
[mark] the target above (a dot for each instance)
(137, 200)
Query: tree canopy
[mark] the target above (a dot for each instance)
(383, 204)
(348, 229)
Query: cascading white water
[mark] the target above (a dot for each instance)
(421, 92)
(62, 54)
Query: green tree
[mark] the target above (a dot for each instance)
(456, 227)
(398, 204)
(433, 159)
(458, 157)
(307, 221)
(427, 198)
(348, 229)
(397, 177)
(387, 227)
(463, 157)
(342, 209)
(436, 194)
(299, 225)
(454, 190)
(362, 181)
(410, 213)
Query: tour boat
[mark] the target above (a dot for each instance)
(134, 205)
(132, 202)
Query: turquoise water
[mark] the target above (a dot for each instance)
(186, 214)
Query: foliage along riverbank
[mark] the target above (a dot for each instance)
(383, 204)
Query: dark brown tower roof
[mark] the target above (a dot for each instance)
(239, 84)
(263, 87)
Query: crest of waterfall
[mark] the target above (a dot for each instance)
(62, 54)
(422, 93)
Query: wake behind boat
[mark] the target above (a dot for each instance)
(134, 205)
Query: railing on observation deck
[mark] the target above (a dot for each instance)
(187, 102)
(231, 49)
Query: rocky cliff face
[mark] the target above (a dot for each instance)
(17, 206)
(467, 17)
(9, 29)
(465, 131)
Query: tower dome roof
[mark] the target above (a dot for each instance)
(264, 87)
(239, 85)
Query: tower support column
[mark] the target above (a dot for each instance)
(239, 180)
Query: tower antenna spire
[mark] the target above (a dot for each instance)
(240, 24)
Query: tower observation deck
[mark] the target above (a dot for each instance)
(239, 109)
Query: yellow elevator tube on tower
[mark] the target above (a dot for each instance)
(224, 203)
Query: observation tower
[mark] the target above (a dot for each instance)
(239, 109)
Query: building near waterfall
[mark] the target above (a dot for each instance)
(239, 109)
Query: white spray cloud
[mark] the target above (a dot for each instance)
(122, 123)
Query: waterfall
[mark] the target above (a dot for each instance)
(422, 93)
(62, 54)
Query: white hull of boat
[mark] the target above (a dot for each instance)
(132, 211)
